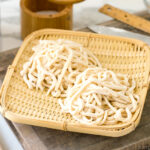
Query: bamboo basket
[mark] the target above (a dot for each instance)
(20, 104)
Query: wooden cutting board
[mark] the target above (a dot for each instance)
(38, 138)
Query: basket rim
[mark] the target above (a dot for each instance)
(11, 116)
(67, 127)
(34, 33)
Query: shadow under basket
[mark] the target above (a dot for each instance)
(20, 104)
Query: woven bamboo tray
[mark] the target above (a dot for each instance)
(20, 104)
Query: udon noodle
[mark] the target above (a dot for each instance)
(100, 96)
(90, 93)
(55, 65)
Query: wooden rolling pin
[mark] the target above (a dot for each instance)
(130, 19)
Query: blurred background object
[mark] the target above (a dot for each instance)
(65, 2)
(0, 29)
(147, 4)
(10, 24)
(41, 14)
(85, 13)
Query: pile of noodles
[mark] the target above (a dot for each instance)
(91, 94)
(100, 96)
(55, 65)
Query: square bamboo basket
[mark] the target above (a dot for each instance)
(20, 104)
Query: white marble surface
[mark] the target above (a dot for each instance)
(85, 13)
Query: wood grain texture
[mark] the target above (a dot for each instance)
(29, 137)
(133, 20)
(65, 2)
(31, 21)
(61, 140)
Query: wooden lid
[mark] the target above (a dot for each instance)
(65, 2)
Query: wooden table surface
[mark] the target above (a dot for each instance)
(38, 138)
